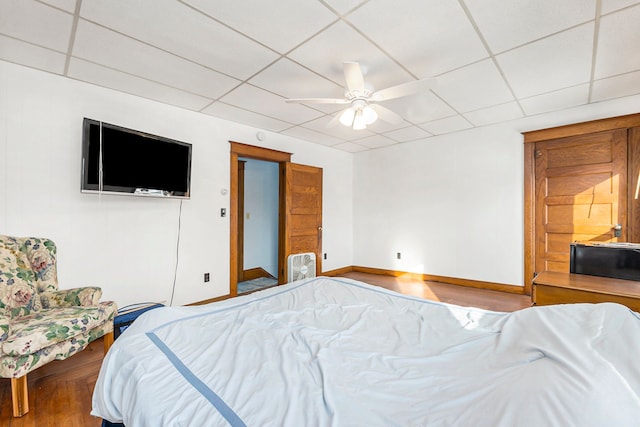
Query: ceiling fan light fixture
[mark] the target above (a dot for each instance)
(346, 118)
(369, 115)
(359, 122)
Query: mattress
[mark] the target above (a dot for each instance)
(337, 352)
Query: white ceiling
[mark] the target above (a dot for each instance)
(494, 60)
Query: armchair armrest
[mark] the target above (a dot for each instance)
(84, 297)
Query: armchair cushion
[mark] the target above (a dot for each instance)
(17, 366)
(30, 334)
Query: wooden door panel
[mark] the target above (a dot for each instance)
(580, 194)
(581, 152)
(580, 214)
(581, 199)
(303, 207)
(597, 183)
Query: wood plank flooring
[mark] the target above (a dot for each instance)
(60, 392)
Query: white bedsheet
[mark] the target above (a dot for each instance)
(335, 352)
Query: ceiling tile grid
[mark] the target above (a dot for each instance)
(492, 60)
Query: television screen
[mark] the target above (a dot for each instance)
(121, 160)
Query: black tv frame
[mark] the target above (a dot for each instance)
(92, 162)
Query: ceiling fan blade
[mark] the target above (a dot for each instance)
(387, 115)
(317, 100)
(353, 76)
(403, 89)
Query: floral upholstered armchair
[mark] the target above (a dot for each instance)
(38, 322)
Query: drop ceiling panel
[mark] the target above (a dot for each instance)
(450, 124)
(609, 6)
(410, 133)
(616, 87)
(350, 147)
(174, 27)
(326, 52)
(337, 130)
(290, 80)
(557, 100)
(618, 43)
(344, 6)
(20, 52)
(66, 5)
(553, 63)
(235, 114)
(461, 89)
(507, 24)
(420, 108)
(36, 23)
(424, 45)
(380, 126)
(282, 25)
(120, 52)
(375, 141)
(106, 77)
(311, 135)
(253, 99)
(494, 114)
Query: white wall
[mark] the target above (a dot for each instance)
(453, 204)
(261, 207)
(125, 244)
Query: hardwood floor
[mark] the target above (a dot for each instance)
(60, 392)
(452, 294)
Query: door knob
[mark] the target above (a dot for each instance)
(617, 230)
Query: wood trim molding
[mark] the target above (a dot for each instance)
(338, 271)
(237, 150)
(260, 153)
(633, 187)
(529, 216)
(620, 122)
(255, 273)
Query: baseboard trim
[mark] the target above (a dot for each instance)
(255, 273)
(430, 278)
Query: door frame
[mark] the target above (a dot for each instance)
(530, 138)
(258, 153)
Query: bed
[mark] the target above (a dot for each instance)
(337, 352)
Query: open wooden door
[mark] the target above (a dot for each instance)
(581, 194)
(302, 204)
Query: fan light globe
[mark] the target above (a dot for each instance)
(346, 118)
(369, 115)
(359, 121)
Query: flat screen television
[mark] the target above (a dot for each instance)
(120, 160)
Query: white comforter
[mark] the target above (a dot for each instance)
(335, 352)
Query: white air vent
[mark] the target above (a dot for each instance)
(301, 266)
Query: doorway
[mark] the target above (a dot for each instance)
(299, 210)
(258, 209)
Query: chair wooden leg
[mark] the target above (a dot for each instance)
(19, 396)
(108, 341)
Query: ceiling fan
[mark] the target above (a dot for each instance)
(363, 99)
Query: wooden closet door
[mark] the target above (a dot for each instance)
(581, 194)
(303, 211)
